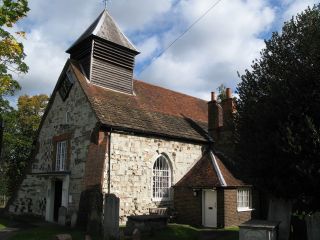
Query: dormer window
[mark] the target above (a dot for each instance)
(66, 85)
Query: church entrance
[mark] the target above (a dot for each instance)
(57, 198)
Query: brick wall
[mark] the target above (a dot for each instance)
(188, 206)
(94, 167)
(231, 216)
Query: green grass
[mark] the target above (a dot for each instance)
(46, 233)
(3, 223)
(186, 232)
(173, 231)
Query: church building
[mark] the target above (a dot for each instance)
(150, 146)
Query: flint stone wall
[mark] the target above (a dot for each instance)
(132, 159)
(80, 124)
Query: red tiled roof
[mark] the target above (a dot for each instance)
(204, 175)
(152, 109)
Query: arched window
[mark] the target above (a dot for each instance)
(161, 179)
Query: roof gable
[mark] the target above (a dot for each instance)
(204, 174)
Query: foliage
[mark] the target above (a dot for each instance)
(20, 130)
(11, 51)
(222, 93)
(278, 122)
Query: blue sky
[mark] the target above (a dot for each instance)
(210, 54)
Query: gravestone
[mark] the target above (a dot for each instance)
(281, 210)
(74, 217)
(258, 230)
(313, 226)
(63, 237)
(62, 216)
(111, 217)
(136, 235)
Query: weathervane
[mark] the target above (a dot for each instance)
(106, 3)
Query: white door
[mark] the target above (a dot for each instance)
(209, 208)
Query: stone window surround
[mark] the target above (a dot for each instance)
(55, 140)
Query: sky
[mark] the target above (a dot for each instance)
(211, 53)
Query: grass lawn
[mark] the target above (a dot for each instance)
(3, 223)
(46, 233)
(186, 232)
(174, 231)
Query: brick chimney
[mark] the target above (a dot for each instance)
(215, 117)
(228, 108)
(220, 123)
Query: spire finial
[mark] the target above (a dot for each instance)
(105, 4)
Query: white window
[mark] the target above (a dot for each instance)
(243, 199)
(61, 155)
(161, 182)
(67, 117)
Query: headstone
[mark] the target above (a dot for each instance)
(281, 210)
(258, 230)
(313, 226)
(74, 217)
(87, 237)
(63, 237)
(111, 217)
(136, 235)
(62, 216)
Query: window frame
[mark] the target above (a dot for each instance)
(244, 199)
(56, 140)
(158, 198)
(61, 156)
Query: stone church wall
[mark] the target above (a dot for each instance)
(132, 159)
(31, 197)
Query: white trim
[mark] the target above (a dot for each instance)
(170, 173)
(218, 171)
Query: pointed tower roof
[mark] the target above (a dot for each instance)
(106, 28)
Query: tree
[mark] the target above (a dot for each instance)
(19, 135)
(278, 120)
(11, 53)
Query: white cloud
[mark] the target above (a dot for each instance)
(211, 53)
(222, 43)
(297, 6)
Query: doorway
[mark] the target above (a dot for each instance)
(209, 210)
(57, 199)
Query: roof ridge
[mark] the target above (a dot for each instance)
(180, 93)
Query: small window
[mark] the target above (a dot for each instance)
(61, 156)
(161, 183)
(243, 199)
(67, 117)
(66, 85)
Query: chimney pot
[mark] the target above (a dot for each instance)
(228, 93)
(213, 96)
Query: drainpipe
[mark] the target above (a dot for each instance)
(109, 161)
